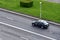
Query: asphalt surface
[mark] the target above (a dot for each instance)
(7, 32)
(53, 31)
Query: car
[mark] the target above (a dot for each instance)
(40, 23)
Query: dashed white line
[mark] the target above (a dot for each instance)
(24, 38)
(9, 18)
(28, 31)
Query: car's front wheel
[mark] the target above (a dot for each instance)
(42, 27)
(46, 27)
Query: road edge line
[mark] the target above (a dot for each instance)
(27, 31)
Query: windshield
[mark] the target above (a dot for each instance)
(43, 21)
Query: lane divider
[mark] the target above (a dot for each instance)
(27, 31)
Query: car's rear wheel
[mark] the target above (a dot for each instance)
(42, 27)
(33, 24)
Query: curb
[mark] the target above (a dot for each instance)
(30, 17)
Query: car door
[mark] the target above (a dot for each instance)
(40, 24)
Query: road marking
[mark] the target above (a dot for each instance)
(28, 31)
(9, 18)
(15, 35)
(24, 38)
(0, 38)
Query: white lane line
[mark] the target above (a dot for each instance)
(0, 38)
(28, 31)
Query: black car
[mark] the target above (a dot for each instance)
(41, 23)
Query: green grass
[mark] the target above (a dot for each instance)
(15, 5)
(50, 11)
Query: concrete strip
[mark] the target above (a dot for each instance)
(27, 31)
(30, 17)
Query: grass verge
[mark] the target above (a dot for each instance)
(50, 11)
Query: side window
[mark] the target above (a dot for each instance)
(36, 23)
(40, 23)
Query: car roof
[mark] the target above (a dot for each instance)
(43, 21)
